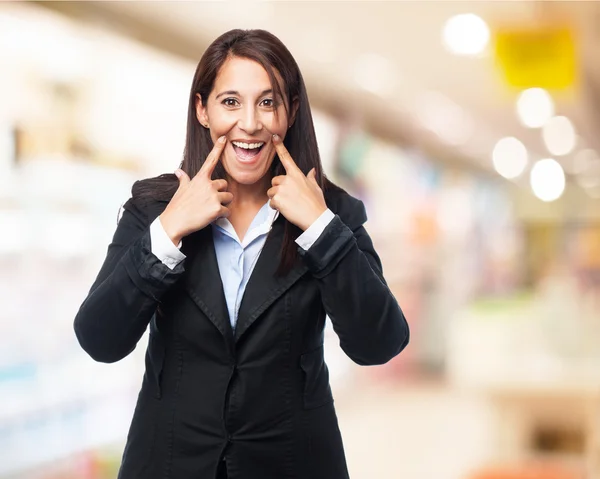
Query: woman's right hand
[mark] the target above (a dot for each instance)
(199, 201)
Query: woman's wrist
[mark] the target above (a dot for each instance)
(312, 218)
(173, 233)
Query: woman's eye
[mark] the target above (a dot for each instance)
(230, 102)
(268, 102)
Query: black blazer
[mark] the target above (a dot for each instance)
(257, 397)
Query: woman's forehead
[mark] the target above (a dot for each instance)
(245, 76)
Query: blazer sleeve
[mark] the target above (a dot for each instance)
(124, 297)
(364, 313)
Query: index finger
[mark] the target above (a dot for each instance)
(284, 156)
(213, 157)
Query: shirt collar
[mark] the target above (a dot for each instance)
(266, 213)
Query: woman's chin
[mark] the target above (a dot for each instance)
(246, 174)
(245, 177)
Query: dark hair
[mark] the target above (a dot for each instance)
(267, 50)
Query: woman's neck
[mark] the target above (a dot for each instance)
(247, 201)
(249, 195)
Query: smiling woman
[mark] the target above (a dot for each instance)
(243, 107)
(234, 263)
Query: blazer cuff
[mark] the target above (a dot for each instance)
(329, 249)
(148, 273)
(162, 246)
(308, 238)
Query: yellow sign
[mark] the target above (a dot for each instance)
(537, 57)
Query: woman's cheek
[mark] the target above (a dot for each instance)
(226, 123)
(219, 129)
(276, 126)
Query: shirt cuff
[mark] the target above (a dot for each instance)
(162, 247)
(308, 238)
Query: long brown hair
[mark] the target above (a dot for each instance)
(267, 50)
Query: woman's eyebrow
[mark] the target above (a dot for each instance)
(237, 93)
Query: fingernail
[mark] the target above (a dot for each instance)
(276, 137)
(178, 173)
(222, 139)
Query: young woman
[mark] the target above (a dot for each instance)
(234, 263)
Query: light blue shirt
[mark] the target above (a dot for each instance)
(236, 259)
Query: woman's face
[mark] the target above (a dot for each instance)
(243, 107)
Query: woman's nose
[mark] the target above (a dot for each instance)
(249, 121)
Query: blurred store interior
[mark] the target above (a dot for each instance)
(469, 129)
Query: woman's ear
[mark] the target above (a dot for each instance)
(201, 112)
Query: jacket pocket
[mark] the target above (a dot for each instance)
(317, 391)
(155, 358)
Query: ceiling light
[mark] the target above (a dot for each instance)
(465, 34)
(535, 107)
(559, 135)
(509, 157)
(547, 179)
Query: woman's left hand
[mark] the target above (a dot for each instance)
(296, 196)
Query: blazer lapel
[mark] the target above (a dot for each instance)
(203, 280)
(264, 287)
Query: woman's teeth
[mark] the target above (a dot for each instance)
(248, 146)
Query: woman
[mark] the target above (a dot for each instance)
(234, 263)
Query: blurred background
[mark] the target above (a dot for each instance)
(470, 131)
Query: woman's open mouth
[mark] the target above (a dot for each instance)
(247, 152)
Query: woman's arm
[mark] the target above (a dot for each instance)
(126, 292)
(364, 313)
